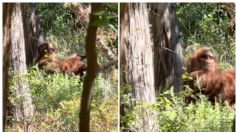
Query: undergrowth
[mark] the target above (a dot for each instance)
(174, 115)
(56, 98)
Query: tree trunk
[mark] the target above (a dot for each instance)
(167, 47)
(7, 11)
(92, 69)
(123, 28)
(139, 61)
(230, 8)
(32, 32)
(24, 108)
(122, 66)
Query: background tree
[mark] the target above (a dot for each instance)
(32, 37)
(7, 12)
(151, 67)
(24, 108)
(139, 61)
(33, 34)
(168, 58)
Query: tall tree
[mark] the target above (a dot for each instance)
(92, 70)
(167, 46)
(7, 11)
(152, 50)
(139, 60)
(33, 34)
(32, 37)
(24, 108)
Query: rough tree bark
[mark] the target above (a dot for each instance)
(32, 36)
(24, 108)
(92, 70)
(32, 32)
(153, 57)
(167, 47)
(139, 62)
(122, 79)
(123, 28)
(7, 11)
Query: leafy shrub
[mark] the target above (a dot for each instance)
(57, 101)
(173, 114)
(49, 90)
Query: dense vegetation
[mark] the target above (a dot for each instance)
(56, 96)
(173, 114)
(199, 25)
(206, 25)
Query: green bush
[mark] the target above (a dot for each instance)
(49, 90)
(56, 98)
(173, 114)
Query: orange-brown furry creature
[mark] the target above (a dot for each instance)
(47, 61)
(217, 86)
